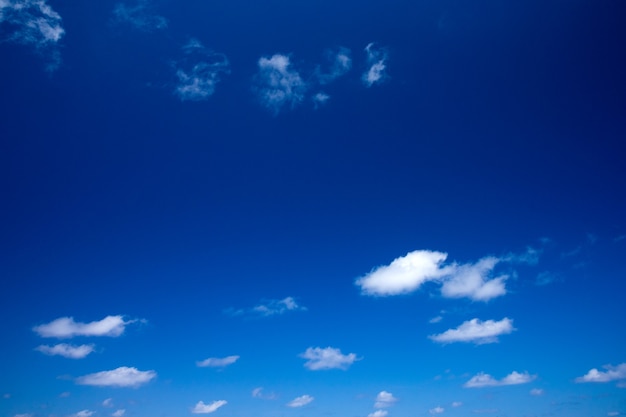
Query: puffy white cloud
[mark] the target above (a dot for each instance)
(34, 23)
(341, 63)
(377, 65)
(612, 373)
(138, 15)
(199, 72)
(120, 377)
(300, 401)
(278, 84)
(202, 408)
(269, 308)
(476, 331)
(66, 327)
(218, 362)
(385, 399)
(436, 410)
(119, 413)
(327, 358)
(536, 392)
(66, 350)
(485, 380)
(378, 413)
(83, 413)
(472, 281)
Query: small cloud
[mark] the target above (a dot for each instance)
(485, 380)
(613, 413)
(24, 415)
(218, 362)
(120, 377)
(67, 351)
(474, 281)
(435, 320)
(377, 65)
(64, 394)
(457, 404)
(119, 413)
(612, 373)
(108, 402)
(258, 393)
(278, 85)
(66, 327)
(320, 99)
(139, 15)
(384, 399)
(83, 413)
(476, 331)
(546, 278)
(269, 308)
(327, 358)
(436, 410)
(536, 392)
(300, 401)
(202, 408)
(199, 72)
(340, 63)
(378, 413)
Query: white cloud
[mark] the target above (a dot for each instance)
(202, 408)
(119, 413)
(472, 281)
(66, 327)
(457, 404)
(536, 392)
(436, 410)
(278, 84)
(120, 377)
(138, 15)
(300, 401)
(108, 402)
(476, 331)
(83, 413)
(327, 358)
(269, 308)
(341, 63)
(319, 99)
(485, 380)
(64, 394)
(384, 399)
(613, 413)
(34, 23)
(199, 72)
(435, 319)
(65, 350)
(258, 393)
(612, 373)
(378, 413)
(218, 362)
(377, 65)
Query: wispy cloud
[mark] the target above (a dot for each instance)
(34, 23)
(378, 413)
(66, 327)
(66, 350)
(536, 392)
(340, 62)
(218, 362)
(83, 413)
(267, 308)
(377, 65)
(24, 415)
(108, 402)
(612, 373)
(278, 84)
(476, 331)
(327, 358)
(199, 72)
(300, 401)
(202, 408)
(436, 410)
(457, 404)
(319, 99)
(485, 380)
(258, 393)
(139, 15)
(119, 413)
(384, 399)
(120, 377)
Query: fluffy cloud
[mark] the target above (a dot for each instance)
(66, 327)
(377, 65)
(120, 377)
(270, 308)
(84, 413)
(340, 63)
(202, 408)
(407, 273)
(476, 331)
(378, 413)
(119, 413)
(65, 350)
(327, 358)
(436, 410)
(218, 362)
(278, 84)
(612, 373)
(384, 399)
(485, 380)
(199, 72)
(300, 401)
(138, 15)
(34, 23)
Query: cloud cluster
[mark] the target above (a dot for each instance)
(120, 377)
(476, 331)
(218, 362)
(327, 358)
(384, 399)
(612, 373)
(66, 327)
(279, 85)
(66, 350)
(139, 15)
(202, 408)
(300, 401)
(199, 72)
(377, 65)
(269, 308)
(485, 380)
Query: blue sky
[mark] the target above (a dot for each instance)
(312, 208)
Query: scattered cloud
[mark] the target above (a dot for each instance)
(476, 331)
(327, 358)
(320, 99)
(435, 319)
(258, 393)
(83, 413)
(202, 408)
(612, 373)
(536, 392)
(108, 402)
(436, 410)
(199, 72)
(119, 413)
(473, 281)
(66, 327)
(457, 404)
(139, 15)
(64, 394)
(269, 308)
(120, 377)
(66, 350)
(378, 413)
(485, 380)
(384, 399)
(218, 362)
(34, 23)
(377, 65)
(24, 415)
(278, 85)
(300, 401)
(340, 63)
